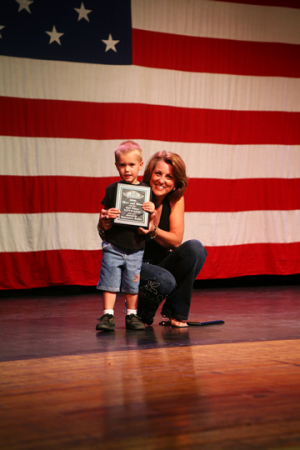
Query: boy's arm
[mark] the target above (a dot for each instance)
(106, 219)
(107, 214)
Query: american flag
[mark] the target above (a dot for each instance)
(217, 82)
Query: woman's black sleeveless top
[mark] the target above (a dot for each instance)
(154, 253)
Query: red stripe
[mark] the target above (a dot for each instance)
(49, 268)
(41, 269)
(157, 50)
(283, 3)
(252, 259)
(85, 120)
(25, 195)
(215, 195)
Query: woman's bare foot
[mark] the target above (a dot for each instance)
(176, 323)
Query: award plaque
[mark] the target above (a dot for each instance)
(129, 200)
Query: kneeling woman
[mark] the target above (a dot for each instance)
(170, 267)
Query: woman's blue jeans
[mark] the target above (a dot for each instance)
(173, 279)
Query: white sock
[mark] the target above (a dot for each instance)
(131, 311)
(108, 311)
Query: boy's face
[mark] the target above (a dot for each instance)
(128, 166)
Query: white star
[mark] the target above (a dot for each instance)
(110, 43)
(83, 13)
(1, 27)
(24, 4)
(54, 35)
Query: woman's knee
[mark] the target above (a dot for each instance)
(195, 254)
(157, 279)
(195, 249)
(167, 281)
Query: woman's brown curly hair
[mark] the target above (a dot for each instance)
(178, 172)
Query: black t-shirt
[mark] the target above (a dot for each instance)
(123, 236)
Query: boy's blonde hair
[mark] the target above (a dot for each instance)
(127, 147)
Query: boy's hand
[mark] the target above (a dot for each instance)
(149, 207)
(111, 213)
(107, 217)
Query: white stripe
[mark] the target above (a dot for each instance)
(77, 231)
(37, 232)
(56, 80)
(248, 227)
(218, 20)
(90, 158)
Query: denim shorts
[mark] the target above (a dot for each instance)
(120, 269)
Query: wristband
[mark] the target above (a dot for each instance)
(154, 232)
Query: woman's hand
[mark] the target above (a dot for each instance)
(149, 230)
(151, 227)
(172, 238)
(150, 208)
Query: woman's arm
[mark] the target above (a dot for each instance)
(173, 237)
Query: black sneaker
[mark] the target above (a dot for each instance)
(133, 322)
(106, 323)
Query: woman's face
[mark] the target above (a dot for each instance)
(162, 181)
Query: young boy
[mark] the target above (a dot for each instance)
(122, 246)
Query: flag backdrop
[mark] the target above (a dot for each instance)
(217, 82)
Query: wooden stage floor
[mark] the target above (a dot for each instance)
(230, 386)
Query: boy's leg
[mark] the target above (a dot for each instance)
(109, 300)
(130, 285)
(107, 320)
(132, 321)
(109, 283)
(132, 301)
